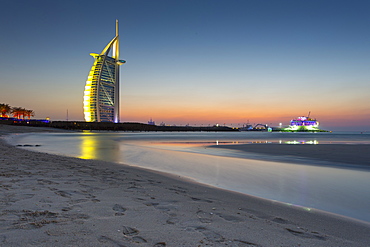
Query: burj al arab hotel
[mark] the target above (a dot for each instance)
(101, 95)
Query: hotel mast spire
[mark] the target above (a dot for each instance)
(116, 27)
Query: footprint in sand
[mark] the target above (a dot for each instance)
(119, 210)
(230, 218)
(172, 221)
(154, 181)
(242, 243)
(151, 204)
(45, 181)
(201, 200)
(129, 231)
(35, 219)
(63, 193)
(280, 220)
(139, 239)
(211, 235)
(178, 190)
(306, 234)
(66, 209)
(105, 240)
(204, 217)
(132, 232)
(160, 244)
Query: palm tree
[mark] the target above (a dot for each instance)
(18, 112)
(23, 113)
(5, 109)
(29, 113)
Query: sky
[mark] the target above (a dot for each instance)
(196, 62)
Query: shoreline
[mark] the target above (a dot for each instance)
(55, 200)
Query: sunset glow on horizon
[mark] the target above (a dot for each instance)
(195, 62)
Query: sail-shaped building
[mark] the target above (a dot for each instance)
(101, 95)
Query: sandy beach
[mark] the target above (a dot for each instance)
(50, 200)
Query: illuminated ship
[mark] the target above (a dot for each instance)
(303, 124)
(101, 95)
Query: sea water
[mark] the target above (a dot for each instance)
(314, 185)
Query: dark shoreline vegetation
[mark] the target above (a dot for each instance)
(80, 125)
(17, 112)
(127, 126)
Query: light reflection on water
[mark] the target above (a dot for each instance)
(93, 147)
(217, 142)
(89, 148)
(342, 191)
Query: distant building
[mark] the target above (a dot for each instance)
(151, 122)
(101, 95)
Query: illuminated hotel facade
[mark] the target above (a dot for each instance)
(101, 95)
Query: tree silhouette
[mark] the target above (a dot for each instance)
(5, 109)
(17, 112)
(29, 113)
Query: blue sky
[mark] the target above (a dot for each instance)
(196, 62)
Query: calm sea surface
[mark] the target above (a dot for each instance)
(315, 185)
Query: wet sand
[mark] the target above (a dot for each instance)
(50, 200)
(352, 154)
